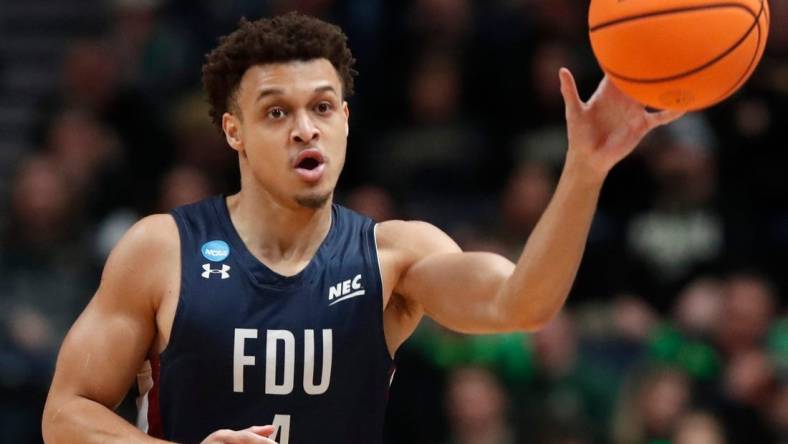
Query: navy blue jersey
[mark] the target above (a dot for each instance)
(248, 346)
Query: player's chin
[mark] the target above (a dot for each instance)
(314, 199)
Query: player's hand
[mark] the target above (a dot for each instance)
(607, 127)
(252, 435)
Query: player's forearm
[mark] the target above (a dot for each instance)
(544, 274)
(81, 420)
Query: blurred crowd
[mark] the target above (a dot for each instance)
(675, 331)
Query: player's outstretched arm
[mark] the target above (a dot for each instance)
(483, 292)
(108, 343)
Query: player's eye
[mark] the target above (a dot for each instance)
(323, 107)
(276, 113)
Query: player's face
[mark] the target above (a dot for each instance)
(292, 130)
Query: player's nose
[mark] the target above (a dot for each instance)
(304, 129)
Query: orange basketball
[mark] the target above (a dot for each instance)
(678, 54)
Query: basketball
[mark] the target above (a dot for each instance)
(678, 54)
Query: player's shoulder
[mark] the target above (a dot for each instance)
(143, 267)
(147, 254)
(151, 234)
(414, 238)
(410, 228)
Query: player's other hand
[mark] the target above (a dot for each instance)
(607, 127)
(252, 435)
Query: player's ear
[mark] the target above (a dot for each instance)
(232, 131)
(346, 110)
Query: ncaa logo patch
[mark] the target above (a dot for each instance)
(215, 251)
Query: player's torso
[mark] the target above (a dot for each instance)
(250, 347)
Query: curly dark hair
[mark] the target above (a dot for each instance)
(285, 38)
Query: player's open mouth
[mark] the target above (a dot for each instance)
(310, 164)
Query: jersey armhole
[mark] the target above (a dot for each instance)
(179, 306)
(376, 258)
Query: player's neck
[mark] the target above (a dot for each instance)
(289, 235)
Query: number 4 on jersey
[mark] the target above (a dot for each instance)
(282, 429)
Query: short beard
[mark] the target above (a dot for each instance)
(313, 202)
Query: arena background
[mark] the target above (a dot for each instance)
(675, 331)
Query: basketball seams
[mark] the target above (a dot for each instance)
(704, 65)
(751, 67)
(617, 21)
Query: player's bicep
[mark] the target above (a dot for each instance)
(102, 352)
(460, 290)
(456, 289)
(109, 341)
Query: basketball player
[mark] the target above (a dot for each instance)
(271, 315)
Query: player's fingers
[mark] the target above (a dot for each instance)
(663, 117)
(252, 435)
(247, 437)
(218, 437)
(569, 92)
(265, 430)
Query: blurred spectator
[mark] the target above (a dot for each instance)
(748, 387)
(524, 199)
(477, 408)
(561, 397)
(198, 144)
(435, 89)
(442, 25)
(778, 38)
(510, 355)
(88, 154)
(748, 310)
(91, 75)
(749, 379)
(560, 18)
(372, 201)
(699, 307)
(440, 150)
(651, 406)
(44, 260)
(777, 413)
(687, 340)
(547, 59)
(44, 282)
(472, 237)
(183, 185)
(556, 347)
(156, 56)
(427, 359)
(92, 83)
(683, 230)
(579, 370)
(41, 207)
(525, 97)
(633, 319)
(81, 147)
(699, 428)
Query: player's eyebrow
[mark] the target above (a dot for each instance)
(278, 91)
(269, 92)
(326, 88)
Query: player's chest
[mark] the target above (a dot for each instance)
(338, 297)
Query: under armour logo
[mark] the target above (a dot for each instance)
(210, 271)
